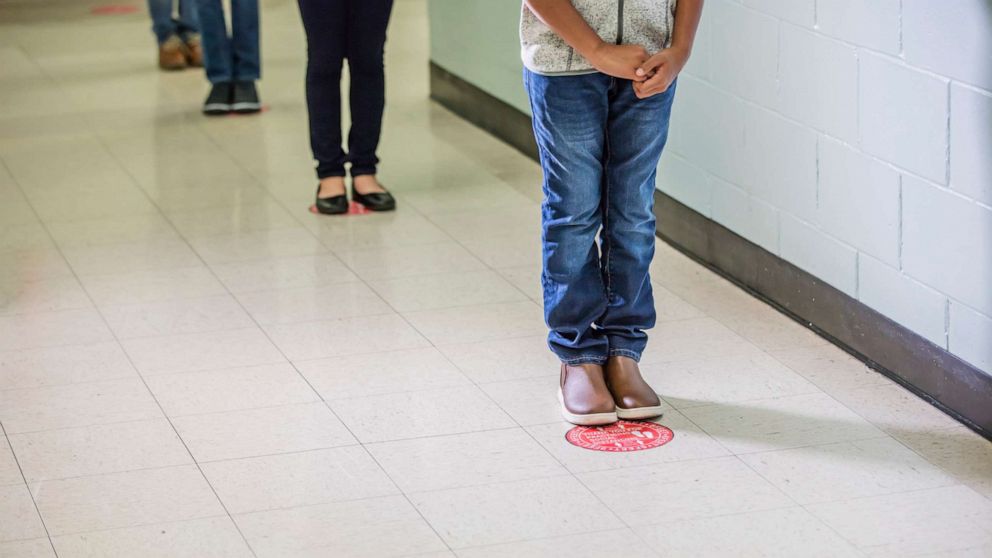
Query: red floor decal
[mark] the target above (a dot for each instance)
(114, 9)
(354, 208)
(621, 436)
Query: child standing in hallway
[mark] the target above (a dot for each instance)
(233, 63)
(601, 79)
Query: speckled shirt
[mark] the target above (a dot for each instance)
(647, 23)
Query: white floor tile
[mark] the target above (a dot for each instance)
(71, 364)
(781, 423)
(276, 243)
(283, 273)
(230, 389)
(782, 533)
(504, 359)
(201, 351)
(93, 403)
(106, 259)
(369, 528)
(157, 285)
(297, 479)
(478, 323)
(10, 472)
(112, 230)
(125, 499)
(417, 414)
(390, 262)
(100, 449)
(307, 304)
(257, 432)
(46, 295)
(428, 292)
(847, 470)
(381, 373)
(959, 451)
(668, 492)
(529, 401)
(940, 520)
(830, 368)
(516, 511)
(895, 410)
(347, 336)
(213, 536)
(692, 339)
(441, 462)
(621, 542)
(27, 548)
(20, 518)
(52, 329)
(704, 381)
(175, 317)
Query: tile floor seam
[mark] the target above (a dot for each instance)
(142, 379)
(27, 488)
(340, 420)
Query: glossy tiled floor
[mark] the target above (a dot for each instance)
(191, 364)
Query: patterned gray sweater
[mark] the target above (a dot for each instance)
(630, 22)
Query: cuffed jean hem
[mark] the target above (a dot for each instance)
(362, 171)
(626, 353)
(584, 359)
(321, 174)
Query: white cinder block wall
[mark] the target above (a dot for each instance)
(853, 138)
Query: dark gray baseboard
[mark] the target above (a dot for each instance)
(951, 384)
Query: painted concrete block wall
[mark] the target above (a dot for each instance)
(860, 132)
(850, 137)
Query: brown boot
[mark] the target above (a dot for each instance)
(585, 399)
(194, 50)
(171, 54)
(633, 396)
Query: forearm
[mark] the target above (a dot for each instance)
(562, 17)
(687, 14)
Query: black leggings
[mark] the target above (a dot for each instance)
(337, 30)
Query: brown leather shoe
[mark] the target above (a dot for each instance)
(585, 399)
(633, 396)
(193, 50)
(171, 54)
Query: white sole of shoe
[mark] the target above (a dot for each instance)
(639, 413)
(594, 419)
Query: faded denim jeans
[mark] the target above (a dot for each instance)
(600, 146)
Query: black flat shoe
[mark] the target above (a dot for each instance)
(377, 201)
(335, 205)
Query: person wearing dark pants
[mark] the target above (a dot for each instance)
(233, 63)
(352, 30)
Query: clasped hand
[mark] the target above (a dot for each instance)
(650, 75)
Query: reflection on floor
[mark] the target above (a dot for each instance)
(191, 364)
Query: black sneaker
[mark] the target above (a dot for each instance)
(245, 100)
(219, 100)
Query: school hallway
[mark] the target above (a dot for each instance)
(194, 364)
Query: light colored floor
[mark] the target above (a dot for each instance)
(191, 364)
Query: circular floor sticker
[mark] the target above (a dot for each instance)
(621, 436)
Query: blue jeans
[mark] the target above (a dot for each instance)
(234, 58)
(600, 146)
(165, 26)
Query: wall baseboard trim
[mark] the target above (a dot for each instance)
(939, 377)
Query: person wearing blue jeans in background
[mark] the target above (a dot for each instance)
(178, 35)
(233, 63)
(600, 75)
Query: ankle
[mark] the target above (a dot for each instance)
(331, 186)
(366, 184)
